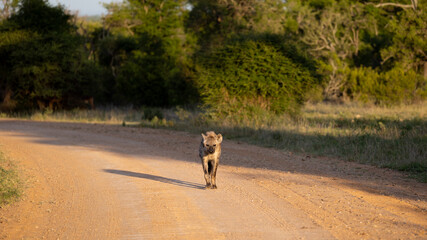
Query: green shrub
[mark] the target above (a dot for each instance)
(151, 113)
(393, 87)
(249, 76)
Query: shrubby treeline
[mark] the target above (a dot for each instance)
(42, 60)
(234, 56)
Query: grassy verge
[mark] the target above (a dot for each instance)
(394, 137)
(10, 185)
(102, 115)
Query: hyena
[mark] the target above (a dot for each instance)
(209, 152)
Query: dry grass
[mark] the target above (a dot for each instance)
(386, 137)
(110, 115)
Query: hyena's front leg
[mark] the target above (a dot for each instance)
(216, 163)
(205, 171)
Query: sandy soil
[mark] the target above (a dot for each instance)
(92, 181)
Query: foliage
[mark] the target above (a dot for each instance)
(385, 88)
(143, 75)
(213, 22)
(332, 32)
(147, 57)
(7, 7)
(38, 16)
(155, 17)
(43, 63)
(346, 35)
(151, 113)
(166, 53)
(249, 75)
(409, 48)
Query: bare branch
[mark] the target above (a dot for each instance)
(413, 5)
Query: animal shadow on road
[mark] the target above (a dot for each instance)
(156, 178)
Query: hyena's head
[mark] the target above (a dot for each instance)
(211, 141)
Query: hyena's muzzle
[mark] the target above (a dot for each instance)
(211, 149)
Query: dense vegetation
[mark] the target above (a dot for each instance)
(234, 56)
(248, 76)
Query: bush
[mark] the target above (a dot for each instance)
(248, 76)
(392, 87)
(151, 113)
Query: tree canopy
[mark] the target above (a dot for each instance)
(268, 54)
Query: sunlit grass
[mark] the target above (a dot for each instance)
(110, 115)
(10, 185)
(386, 137)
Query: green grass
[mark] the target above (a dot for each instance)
(392, 137)
(10, 185)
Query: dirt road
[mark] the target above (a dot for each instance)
(87, 181)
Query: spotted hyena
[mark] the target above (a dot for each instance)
(209, 152)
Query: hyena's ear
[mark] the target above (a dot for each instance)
(203, 136)
(219, 137)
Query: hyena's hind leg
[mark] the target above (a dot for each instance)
(215, 167)
(207, 174)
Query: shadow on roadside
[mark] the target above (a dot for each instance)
(156, 178)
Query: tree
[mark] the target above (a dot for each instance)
(333, 32)
(409, 46)
(155, 17)
(148, 52)
(7, 8)
(120, 19)
(215, 21)
(42, 61)
(413, 5)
